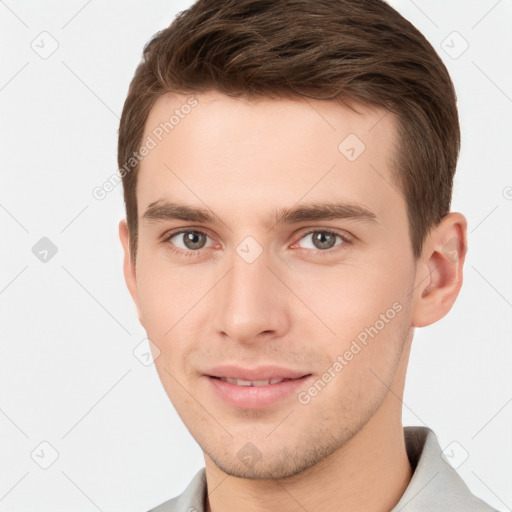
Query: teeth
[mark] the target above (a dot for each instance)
(241, 382)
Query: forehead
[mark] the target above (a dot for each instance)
(215, 113)
(226, 152)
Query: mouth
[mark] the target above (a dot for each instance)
(242, 382)
(255, 389)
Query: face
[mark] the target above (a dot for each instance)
(291, 260)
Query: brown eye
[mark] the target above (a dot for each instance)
(189, 240)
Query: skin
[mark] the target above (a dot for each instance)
(296, 305)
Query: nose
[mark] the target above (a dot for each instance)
(251, 303)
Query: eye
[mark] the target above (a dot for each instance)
(188, 240)
(323, 240)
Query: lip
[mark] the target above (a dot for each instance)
(255, 397)
(258, 373)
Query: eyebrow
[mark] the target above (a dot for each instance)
(165, 210)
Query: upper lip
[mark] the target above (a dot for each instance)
(253, 374)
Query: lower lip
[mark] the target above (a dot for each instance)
(255, 397)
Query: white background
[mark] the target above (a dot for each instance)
(69, 376)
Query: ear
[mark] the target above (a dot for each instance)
(439, 270)
(129, 266)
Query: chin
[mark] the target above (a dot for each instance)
(253, 465)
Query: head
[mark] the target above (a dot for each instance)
(287, 171)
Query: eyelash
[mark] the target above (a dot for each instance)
(347, 240)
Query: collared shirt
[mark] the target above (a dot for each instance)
(434, 487)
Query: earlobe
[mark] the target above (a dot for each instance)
(439, 271)
(128, 265)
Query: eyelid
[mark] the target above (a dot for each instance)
(335, 231)
(178, 231)
(168, 235)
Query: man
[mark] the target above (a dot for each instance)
(287, 170)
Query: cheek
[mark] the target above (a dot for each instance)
(156, 298)
(164, 289)
(368, 310)
(351, 298)
(172, 301)
(370, 318)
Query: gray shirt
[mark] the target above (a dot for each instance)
(435, 485)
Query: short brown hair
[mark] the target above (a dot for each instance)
(337, 50)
